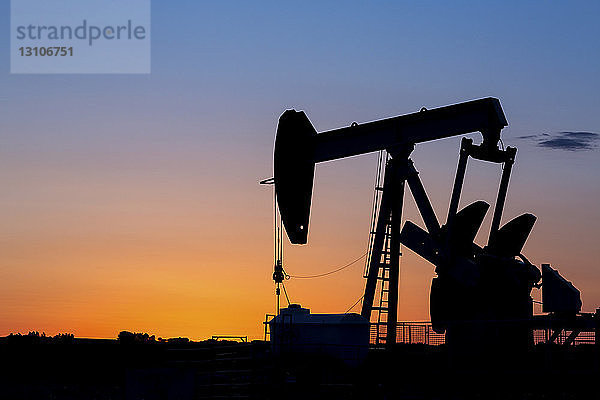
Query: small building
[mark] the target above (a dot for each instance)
(340, 336)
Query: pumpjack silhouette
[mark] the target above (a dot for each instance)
(481, 296)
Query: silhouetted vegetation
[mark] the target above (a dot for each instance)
(129, 338)
(126, 337)
(35, 337)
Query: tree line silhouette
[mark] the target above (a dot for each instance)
(124, 337)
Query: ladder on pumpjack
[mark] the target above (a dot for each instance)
(383, 276)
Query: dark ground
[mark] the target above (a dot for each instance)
(109, 369)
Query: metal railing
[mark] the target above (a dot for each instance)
(543, 335)
(242, 339)
(421, 332)
(412, 332)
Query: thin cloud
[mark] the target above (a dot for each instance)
(569, 141)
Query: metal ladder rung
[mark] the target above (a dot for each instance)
(388, 234)
(380, 309)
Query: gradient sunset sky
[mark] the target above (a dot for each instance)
(131, 202)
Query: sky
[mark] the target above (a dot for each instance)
(131, 202)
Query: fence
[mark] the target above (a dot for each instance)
(412, 332)
(543, 335)
(242, 339)
(421, 332)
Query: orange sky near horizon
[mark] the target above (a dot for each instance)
(146, 260)
(131, 202)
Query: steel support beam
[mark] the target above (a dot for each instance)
(502, 190)
(394, 283)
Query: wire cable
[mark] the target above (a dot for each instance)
(286, 295)
(274, 227)
(354, 305)
(330, 272)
